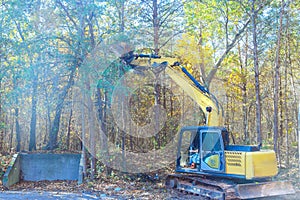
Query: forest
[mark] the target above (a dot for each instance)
(63, 89)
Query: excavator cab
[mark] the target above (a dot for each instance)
(205, 150)
(201, 148)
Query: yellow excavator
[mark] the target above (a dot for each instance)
(207, 164)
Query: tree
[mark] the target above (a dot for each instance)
(32, 141)
(256, 71)
(210, 34)
(78, 18)
(159, 22)
(44, 77)
(277, 77)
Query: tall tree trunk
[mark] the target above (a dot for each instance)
(47, 104)
(32, 141)
(165, 107)
(286, 108)
(120, 4)
(18, 134)
(277, 79)
(2, 140)
(0, 94)
(11, 136)
(155, 27)
(52, 141)
(256, 71)
(294, 92)
(243, 66)
(156, 110)
(92, 132)
(123, 145)
(69, 130)
(1, 117)
(83, 154)
(299, 135)
(90, 104)
(102, 102)
(6, 133)
(280, 120)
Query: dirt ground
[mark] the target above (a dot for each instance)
(115, 187)
(120, 190)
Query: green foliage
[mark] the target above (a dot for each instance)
(190, 51)
(208, 19)
(48, 39)
(3, 125)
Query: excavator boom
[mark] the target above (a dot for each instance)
(189, 85)
(203, 98)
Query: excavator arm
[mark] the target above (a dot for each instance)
(180, 75)
(198, 93)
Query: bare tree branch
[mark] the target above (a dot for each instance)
(223, 56)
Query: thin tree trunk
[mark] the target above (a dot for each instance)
(286, 112)
(18, 134)
(32, 141)
(245, 97)
(124, 164)
(227, 121)
(156, 110)
(102, 117)
(6, 133)
(155, 27)
(121, 13)
(287, 64)
(69, 130)
(47, 104)
(83, 137)
(299, 136)
(11, 136)
(292, 80)
(256, 71)
(1, 115)
(277, 79)
(244, 92)
(280, 122)
(2, 141)
(92, 125)
(165, 107)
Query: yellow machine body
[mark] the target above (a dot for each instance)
(252, 165)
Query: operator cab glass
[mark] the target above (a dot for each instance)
(201, 149)
(189, 149)
(212, 150)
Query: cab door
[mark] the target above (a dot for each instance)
(212, 150)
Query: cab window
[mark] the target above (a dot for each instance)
(211, 141)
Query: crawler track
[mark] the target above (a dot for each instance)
(209, 188)
(214, 188)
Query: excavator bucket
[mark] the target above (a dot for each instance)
(267, 189)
